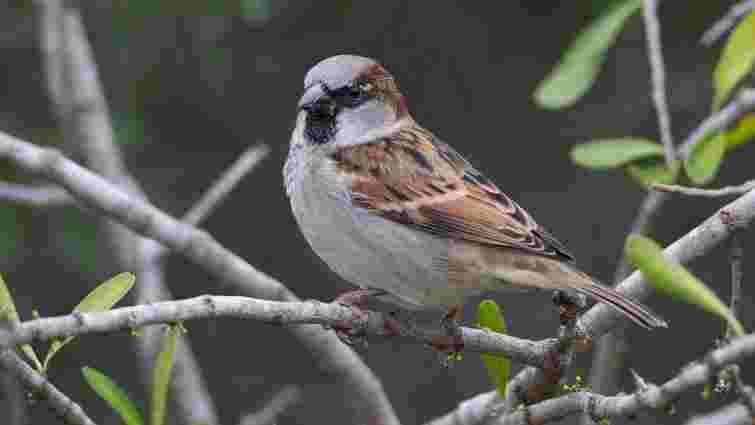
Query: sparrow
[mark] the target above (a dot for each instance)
(389, 206)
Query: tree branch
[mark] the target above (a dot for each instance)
(281, 401)
(66, 408)
(743, 103)
(34, 196)
(658, 74)
(223, 186)
(647, 397)
(273, 312)
(709, 193)
(726, 22)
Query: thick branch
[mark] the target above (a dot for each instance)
(66, 408)
(272, 312)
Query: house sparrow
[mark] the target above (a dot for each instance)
(387, 205)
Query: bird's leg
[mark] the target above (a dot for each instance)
(357, 301)
(569, 305)
(451, 342)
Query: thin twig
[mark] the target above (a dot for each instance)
(647, 397)
(658, 73)
(743, 103)
(281, 401)
(223, 186)
(201, 248)
(40, 387)
(737, 272)
(709, 193)
(34, 196)
(726, 22)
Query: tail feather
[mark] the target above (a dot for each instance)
(633, 310)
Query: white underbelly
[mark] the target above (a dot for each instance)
(370, 251)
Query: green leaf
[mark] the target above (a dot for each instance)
(107, 294)
(161, 375)
(490, 317)
(578, 68)
(736, 60)
(653, 170)
(101, 298)
(8, 312)
(7, 306)
(613, 153)
(116, 397)
(742, 132)
(673, 279)
(705, 158)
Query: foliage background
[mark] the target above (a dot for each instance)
(191, 84)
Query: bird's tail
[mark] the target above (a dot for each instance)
(633, 310)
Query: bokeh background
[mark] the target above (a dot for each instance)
(192, 84)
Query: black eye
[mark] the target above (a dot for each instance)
(352, 95)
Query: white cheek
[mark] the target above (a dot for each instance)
(364, 124)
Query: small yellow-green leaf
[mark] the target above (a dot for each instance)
(107, 294)
(161, 376)
(742, 132)
(101, 298)
(7, 306)
(736, 59)
(613, 153)
(704, 159)
(490, 317)
(575, 73)
(114, 395)
(673, 279)
(8, 312)
(653, 170)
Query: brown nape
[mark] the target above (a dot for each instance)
(385, 87)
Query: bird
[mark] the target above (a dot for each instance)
(393, 209)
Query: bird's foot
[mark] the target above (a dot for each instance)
(356, 300)
(451, 343)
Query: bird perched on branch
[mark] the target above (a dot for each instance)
(390, 207)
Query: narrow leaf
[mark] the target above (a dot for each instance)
(8, 312)
(7, 306)
(578, 68)
(652, 170)
(116, 397)
(102, 298)
(107, 294)
(613, 153)
(736, 60)
(490, 317)
(742, 132)
(161, 376)
(704, 159)
(673, 279)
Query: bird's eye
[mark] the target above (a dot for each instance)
(352, 95)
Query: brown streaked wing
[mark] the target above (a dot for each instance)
(414, 179)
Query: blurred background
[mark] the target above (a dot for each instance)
(192, 84)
